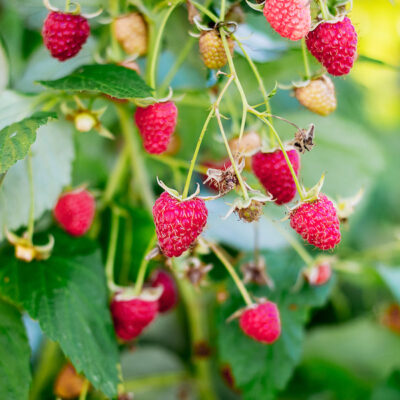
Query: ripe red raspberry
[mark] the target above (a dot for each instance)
(274, 174)
(317, 223)
(64, 34)
(178, 223)
(319, 274)
(156, 124)
(261, 322)
(74, 211)
(334, 46)
(131, 316)
(169, 296)
(290, 18)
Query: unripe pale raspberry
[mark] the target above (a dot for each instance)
(317, 223)
(64, 34)
(290, 18)
(156, 124)
(261, 322)
(178, 223)
(212, 49)
(319, 274)
(74, 211)
(334, 45)
(132, 316)
(318, 96)
(274, 174)
(69, 383)
(131, 33)
(169, 296)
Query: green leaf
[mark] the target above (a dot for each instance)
(265, 369)
(112, 80)
(15, 374)
(67, 294)
(389, 390)
(16, 139)
(391, 277)
(4, 69)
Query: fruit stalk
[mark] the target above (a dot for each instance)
(112, 248)
(85, 389)
(323, 9)
(31, 220)
(143, 266)
(305, 59)
(242, 289)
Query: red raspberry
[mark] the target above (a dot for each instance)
(318, 274)
(132, 315)
(64, 34)
(74, 211)
(156, 124)
(317, 223)
(169, 296)
(290, 18)
(334, 46)
(261, 322)
(274, 174)
(178, 223)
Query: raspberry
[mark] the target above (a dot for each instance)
(74, 211)
(212, 49)
(156, 124)
(178, 223)
(69, 383)
(318, 96)
(274, 174)
(64, 34)
(334, 46)
(169, 296)
(317, 223)
(251, 213)
(290, 18)
(131, 33)
(261, 322)
(218, 165)
(248, 145)
(319, 274)
(132, 315)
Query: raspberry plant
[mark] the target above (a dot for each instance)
(128, 130)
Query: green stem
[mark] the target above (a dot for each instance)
(112, 248)
(223, 8)
(176, 163)
(67, 5)
(301, 251)
(205, 11)
(85, 389)
(261, 87)
(2, 176)
(282, 147)
(177, 64)
(157, 45)
(31, 220)
(196, 153)
(237, 82)
(233, 162)
(116, 177)
(156, 381)
(197, 318)
(305, 58)
(139, 170)
(143, 266)
(44, 369)
(242, 289)
(323, 9)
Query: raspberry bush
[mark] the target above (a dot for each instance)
(191, 200)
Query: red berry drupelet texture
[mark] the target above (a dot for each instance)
(274, 174)
(74, 211)
(132, 316)
(334, 46)
(178, 223)
(290, 18)
(262, 322)
(169, 296)
(156, 124)
(64, 34)
(317, 223)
